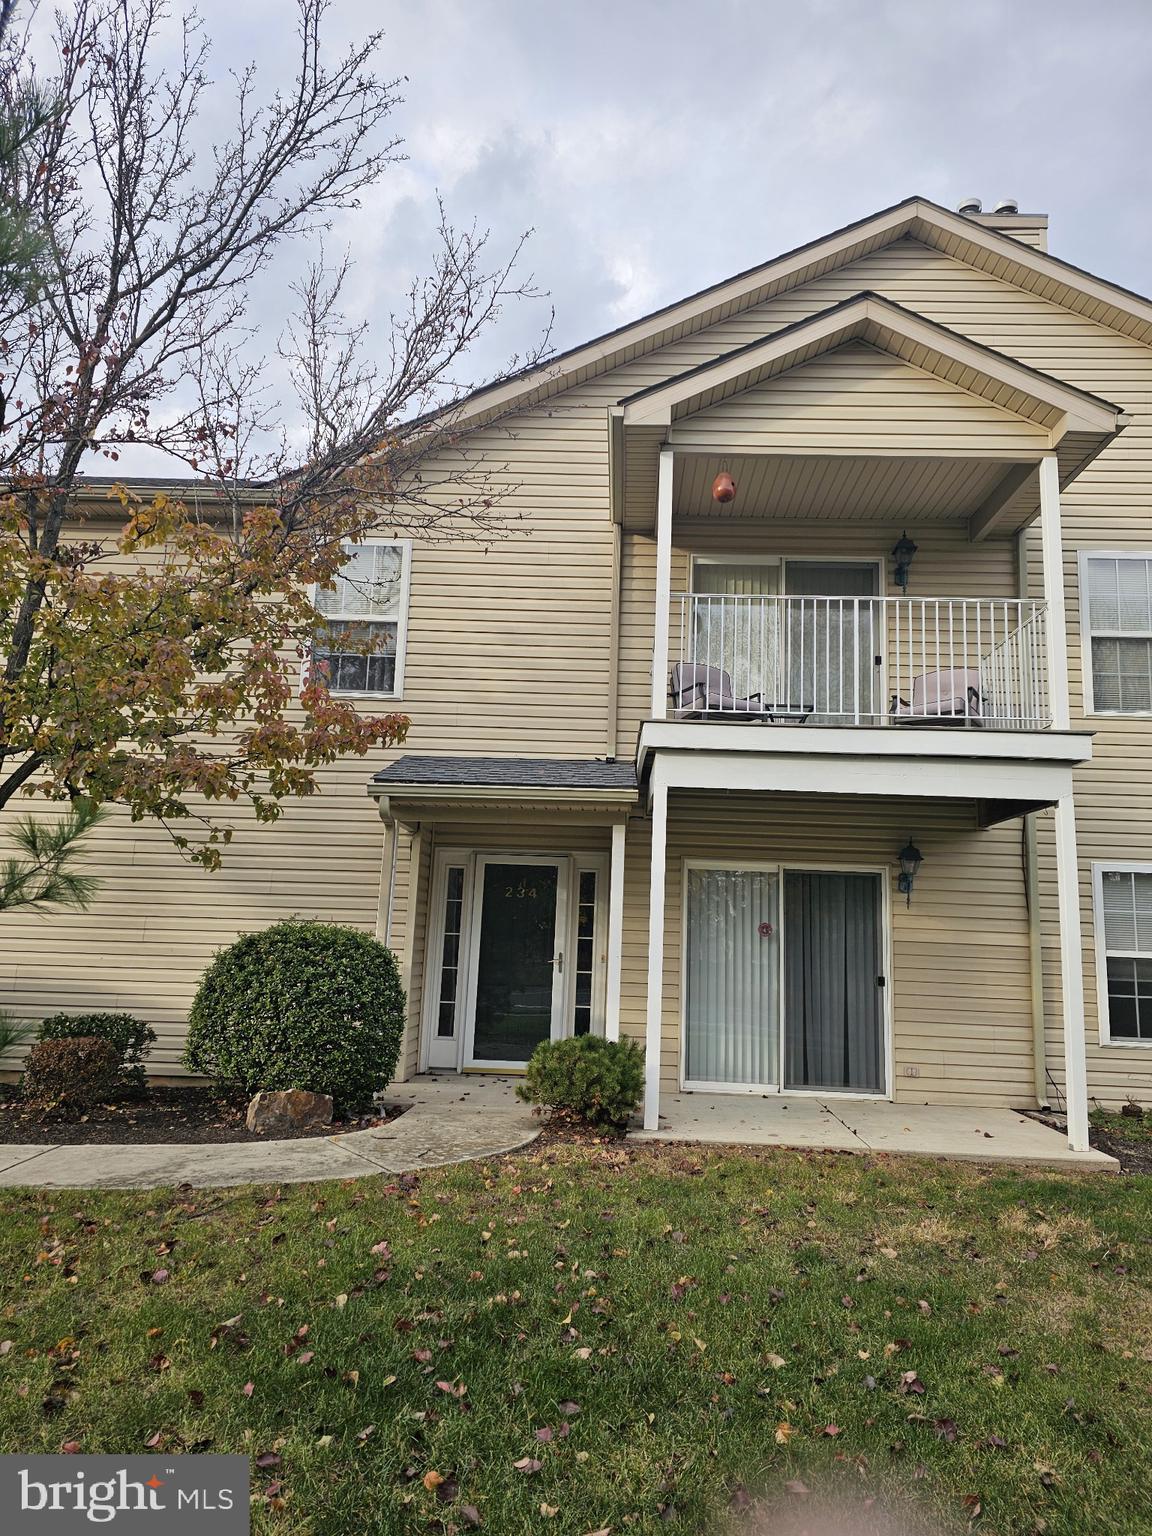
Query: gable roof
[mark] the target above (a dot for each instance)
(916, 218)
(923, 343)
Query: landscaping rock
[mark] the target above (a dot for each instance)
(293, 1109)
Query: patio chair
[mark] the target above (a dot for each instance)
(699, 690)
(948, 697)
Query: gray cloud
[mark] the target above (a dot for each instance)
(658, 145)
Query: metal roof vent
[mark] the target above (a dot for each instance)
(1007, 205)
(968, 205)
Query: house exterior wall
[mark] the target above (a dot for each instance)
(511, 648)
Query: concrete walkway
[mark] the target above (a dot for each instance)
(424, 1137)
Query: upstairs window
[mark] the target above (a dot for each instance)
(1117, 599)
(1124, 953)
(360, 646)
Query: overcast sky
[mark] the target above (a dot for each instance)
(656, 146)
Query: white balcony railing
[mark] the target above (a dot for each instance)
(902, 661)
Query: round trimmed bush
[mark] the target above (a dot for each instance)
(300, 1005)
(601, 1081)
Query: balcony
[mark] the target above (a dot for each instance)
(903, 662)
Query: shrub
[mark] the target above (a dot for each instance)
(71, 1076)
(602, 1081)
(13, 1032)
(300, 1005)
(129, 1035)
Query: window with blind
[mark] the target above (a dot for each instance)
(1124, 917)
(360, 646)
(1117, 601)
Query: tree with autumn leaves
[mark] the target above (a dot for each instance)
(160, 669)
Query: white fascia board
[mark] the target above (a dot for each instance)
(918, 743)
(923, 778)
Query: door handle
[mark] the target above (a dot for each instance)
(558, 962)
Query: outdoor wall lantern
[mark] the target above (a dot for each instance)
(902, 554)
(910, 861)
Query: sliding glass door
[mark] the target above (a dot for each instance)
(784, 980)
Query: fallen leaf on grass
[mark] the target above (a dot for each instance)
(269, 1459)
(910, 1382)
(366, 1433)
(341, 1301)
(248, 1388)
(432, 1480)
(800, 1489)
(549, 1511)
(831, 1430)
(5, 1346)
(783, 1433)
(527, 1464)
(775, 1361)
(471, 1514)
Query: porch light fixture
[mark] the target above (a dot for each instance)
(910, 861)
(902, 553)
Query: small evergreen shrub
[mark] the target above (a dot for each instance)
(600, 1080)
(131, 1037)
(70, 1077)
(300, 1005)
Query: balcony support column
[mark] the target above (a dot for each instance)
(1067, 863)
(1055, 623)
(655, 998)
(663, 586)
(1071, 974)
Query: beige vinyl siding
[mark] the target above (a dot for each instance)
(959, 981)
(857, 399)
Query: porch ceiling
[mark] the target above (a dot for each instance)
(849, 489)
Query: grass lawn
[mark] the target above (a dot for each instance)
(595, 1338)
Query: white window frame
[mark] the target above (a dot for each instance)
(1086, 633)
(1099, 870)
(397, 692)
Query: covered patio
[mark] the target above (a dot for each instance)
(804, 1121)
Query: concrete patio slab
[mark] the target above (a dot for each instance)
(868, 1125)
(753, 1121)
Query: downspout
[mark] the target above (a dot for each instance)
(1032, 901)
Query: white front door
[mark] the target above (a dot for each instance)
(516, 985)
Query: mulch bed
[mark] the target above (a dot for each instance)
(166, 1115)
(1134, 1156)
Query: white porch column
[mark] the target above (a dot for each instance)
(1071, 974)
(615, 931)
(655, 994)
(663, 586)
(1055, 624)
(1067, 864)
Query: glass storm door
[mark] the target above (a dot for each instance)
(517, 981)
